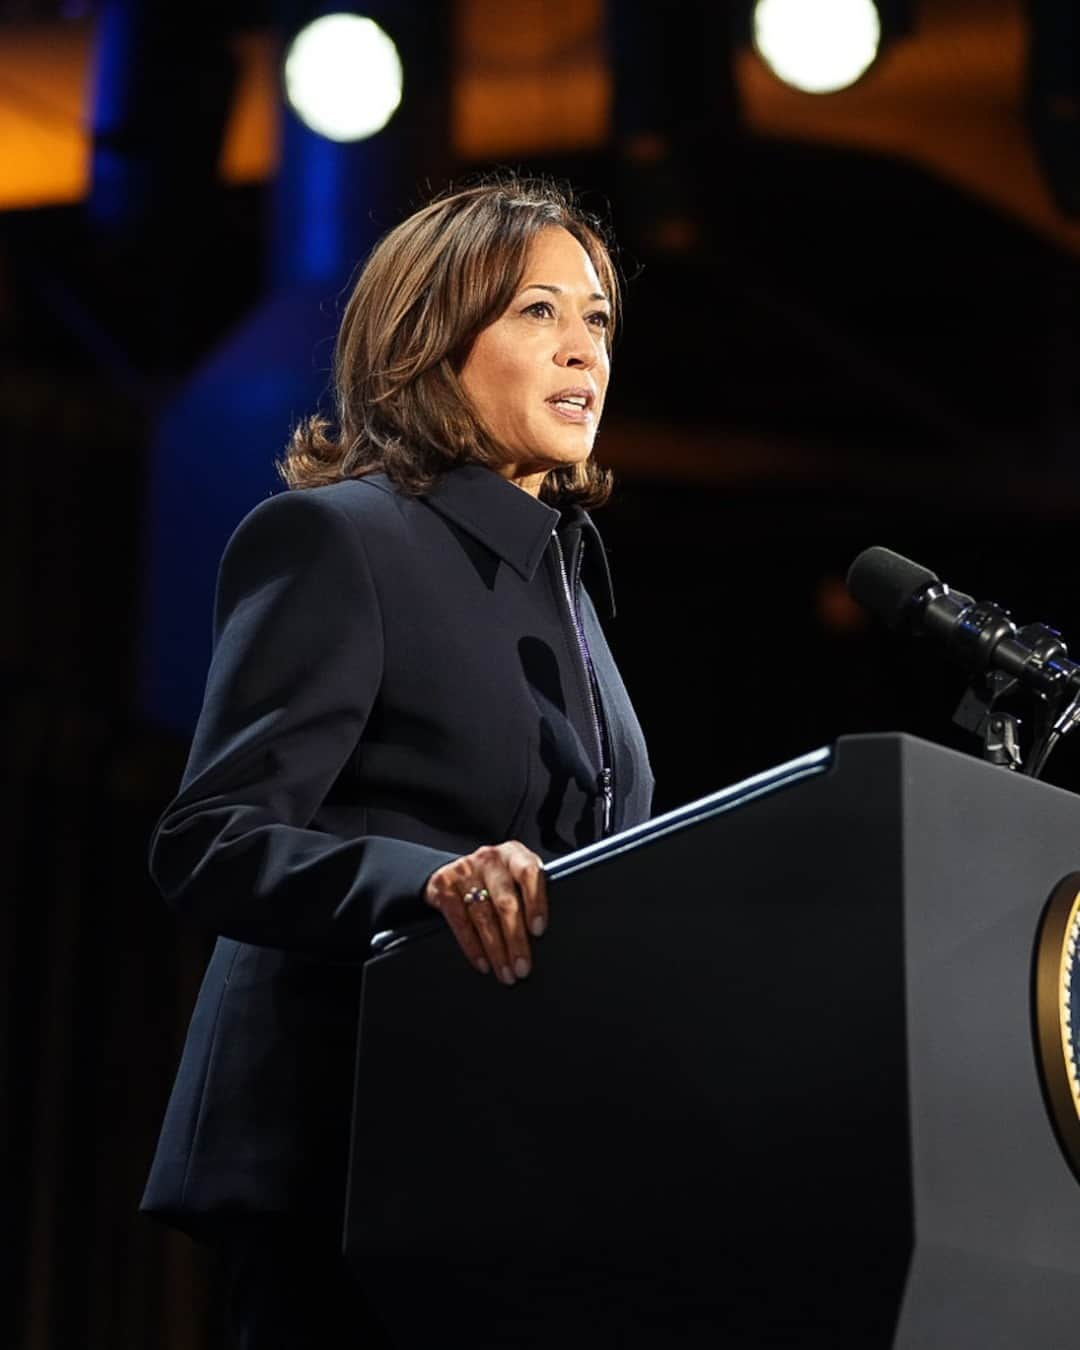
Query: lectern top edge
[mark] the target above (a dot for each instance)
(692, 813)
(725, 799)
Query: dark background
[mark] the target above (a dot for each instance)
(850, 319)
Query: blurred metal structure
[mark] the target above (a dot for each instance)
(674, 119)
(1053, 97)
(164, 79)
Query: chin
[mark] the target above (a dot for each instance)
(580, 453)
(549, 455)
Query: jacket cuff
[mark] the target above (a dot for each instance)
(395, 874)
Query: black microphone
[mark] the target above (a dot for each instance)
(981, 636)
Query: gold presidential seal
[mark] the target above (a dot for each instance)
(1057, 1013)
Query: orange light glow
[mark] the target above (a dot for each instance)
(45, 74)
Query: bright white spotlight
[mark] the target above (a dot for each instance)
(343, 77)
(818, 46)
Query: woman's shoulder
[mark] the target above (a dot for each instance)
(337, 528)
(350, 526)
(335, 508)
(371, 493)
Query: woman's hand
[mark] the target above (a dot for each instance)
(493, 899)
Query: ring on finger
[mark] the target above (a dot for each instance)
(476, 895)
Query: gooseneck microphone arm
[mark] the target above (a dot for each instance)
(984, 640)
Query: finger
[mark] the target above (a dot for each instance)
(485, 920)
(468, 939)
(528, 872)
(507, 905)
(445, 896)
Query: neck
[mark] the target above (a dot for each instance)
(529, 481)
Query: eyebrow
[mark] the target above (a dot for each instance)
(558, 290)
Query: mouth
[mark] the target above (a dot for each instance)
(575, 405)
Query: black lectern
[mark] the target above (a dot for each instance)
(774, 1081)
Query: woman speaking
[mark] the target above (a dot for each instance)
(410, 707)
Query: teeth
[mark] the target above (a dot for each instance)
(572, 402)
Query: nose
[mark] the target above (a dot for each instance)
(577, 346)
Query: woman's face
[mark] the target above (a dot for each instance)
(537, 376)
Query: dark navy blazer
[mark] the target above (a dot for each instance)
(395, 681)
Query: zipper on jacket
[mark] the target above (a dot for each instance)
(605, 779)
(605, 784)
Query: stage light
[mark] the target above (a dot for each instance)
(818, 46)
(343, 77)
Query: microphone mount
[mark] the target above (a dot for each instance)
(1002, 659)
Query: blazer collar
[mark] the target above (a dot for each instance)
(515, 525)
(578, 531)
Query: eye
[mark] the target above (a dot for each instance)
(542, 309)
(601, 318)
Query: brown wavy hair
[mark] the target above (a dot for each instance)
(428, 288)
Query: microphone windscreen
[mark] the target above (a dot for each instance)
(884, 582)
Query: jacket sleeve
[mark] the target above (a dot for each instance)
(296, 667)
